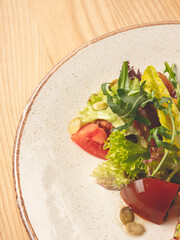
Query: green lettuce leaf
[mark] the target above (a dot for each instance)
(124, 162)
(89, 114)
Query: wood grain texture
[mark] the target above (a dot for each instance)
(34, 36)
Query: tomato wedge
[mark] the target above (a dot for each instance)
(150, 198)
(91, 139)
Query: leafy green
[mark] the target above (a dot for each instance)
(123, 82)
(127, 161)
(125, 126)
(172, 74)
(168, 113)
(134, 86)
(173, 80)
(156, 90)
(165, 105)
(163, 132)
(127, 98)
(142, 119)
(124, 164)
(89, 114)
(173, 173)
(172, 165)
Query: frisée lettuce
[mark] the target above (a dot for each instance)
(124, 162)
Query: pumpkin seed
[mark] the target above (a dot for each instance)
(126, 215)
(135, 228)
(100, 105)
(74, 125)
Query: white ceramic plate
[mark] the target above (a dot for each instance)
(57, 197)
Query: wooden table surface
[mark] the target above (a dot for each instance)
(34, 36)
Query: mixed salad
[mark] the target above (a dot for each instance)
(133, 124)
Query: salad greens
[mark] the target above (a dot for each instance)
(133, 123)
(172, 74)
(124, 160)
(89, 114)
(173, 80)
(127, 98)
(157, 150)
(127, 161)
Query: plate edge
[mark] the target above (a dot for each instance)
(22, 121)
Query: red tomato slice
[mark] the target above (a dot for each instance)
(91, 139)
(150, 198)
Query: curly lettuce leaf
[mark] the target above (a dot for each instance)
(124, 164)
(155, 84)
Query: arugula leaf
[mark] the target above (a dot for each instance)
(132, 103)
(128, 97)
(163, 104)
(173, 80)
(169, 146)
(164, 132)
(177, 169)
(105, 87)
(123, 81)
(142, 119)
(172, 74)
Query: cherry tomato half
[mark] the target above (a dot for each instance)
(150, 198)
(91, 139)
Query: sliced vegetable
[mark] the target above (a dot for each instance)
(91, 139)
(150, 198)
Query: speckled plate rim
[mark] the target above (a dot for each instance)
(22, 121)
